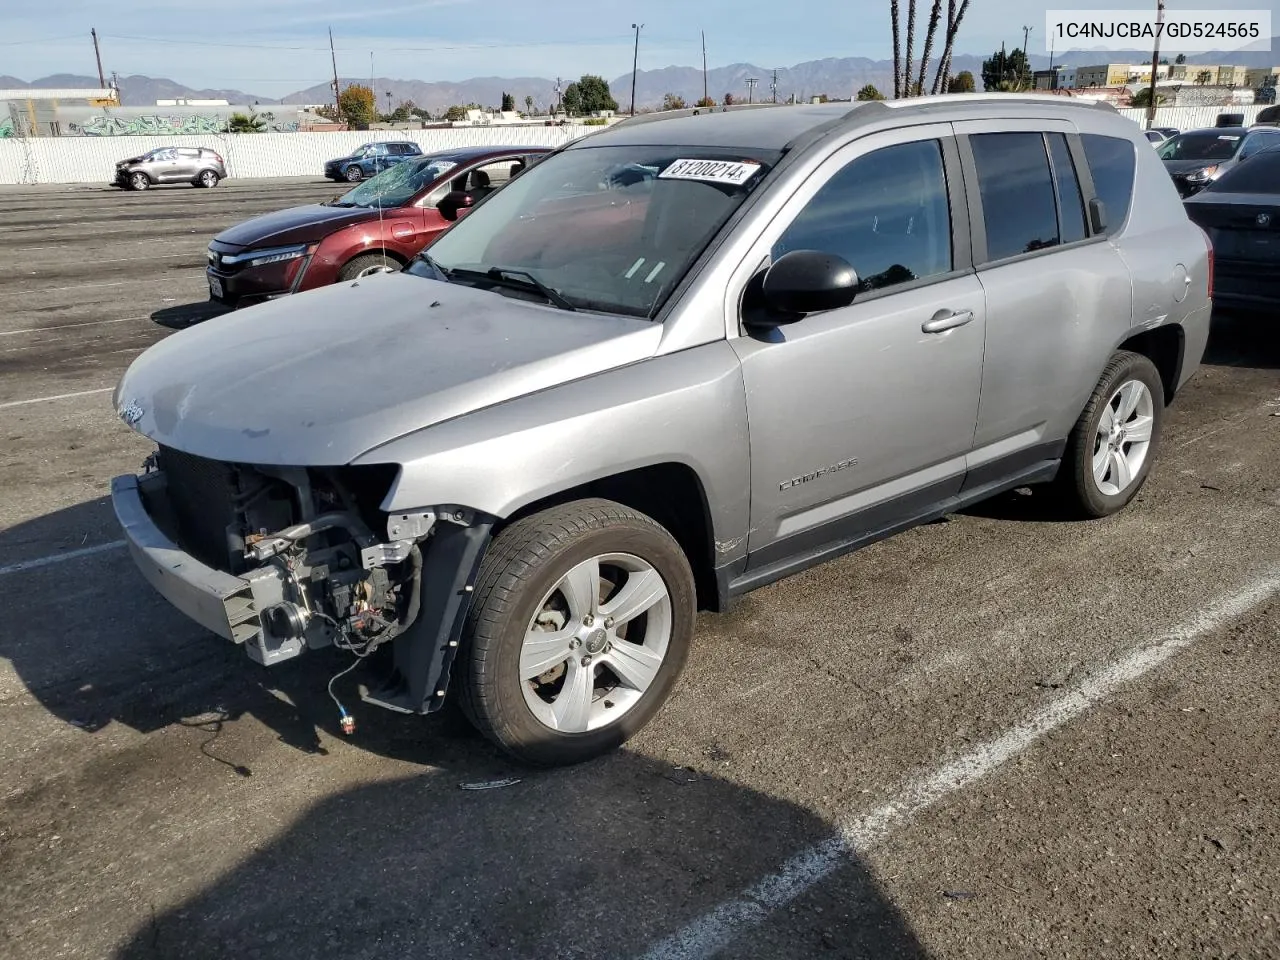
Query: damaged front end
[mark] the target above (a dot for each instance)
(286, 559)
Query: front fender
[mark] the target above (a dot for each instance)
(687, 408)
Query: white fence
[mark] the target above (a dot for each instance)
(1189, 118)
(93, 159)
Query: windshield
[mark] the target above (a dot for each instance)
(1258, 174)
(1201, 146)
(606, 228)
(395, 186)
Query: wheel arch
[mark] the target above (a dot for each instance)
(1165, 347)
(670, 492)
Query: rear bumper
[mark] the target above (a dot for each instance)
(1246, 285)
(227, 605)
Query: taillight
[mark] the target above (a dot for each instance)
(1208, 243)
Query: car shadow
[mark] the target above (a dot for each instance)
(453, 860)
(606, 859)
(1243, 339)
(187, 314)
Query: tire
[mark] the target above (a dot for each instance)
(366, 264)
(139, 181)
(1082, 490)
(353, 174)
(520, 591)
(207, 179)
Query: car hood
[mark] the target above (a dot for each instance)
(295, 225)
(319, 378)
(1190, 166)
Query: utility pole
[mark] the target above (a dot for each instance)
(1053, 74)
(705, 95)
(556, 109)
(635, 65)
(751, 88)
(102, 80)
(1155, 62)
(337, 109)
(773, 85)
(1026, 58)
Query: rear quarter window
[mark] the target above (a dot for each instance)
(1111, 164)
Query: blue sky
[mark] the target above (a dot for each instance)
(275, 47)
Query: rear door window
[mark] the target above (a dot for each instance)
(1019, 206)
(1111, 164)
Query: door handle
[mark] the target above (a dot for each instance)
(947, 320)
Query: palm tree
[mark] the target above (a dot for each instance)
(934, 15)
(897, 50)
(528, 105)
(904, 84)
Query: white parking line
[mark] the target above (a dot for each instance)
(65, 326)
(194, 255)
(57, 396)
(713, 931)
(113, 283)
(60, 557)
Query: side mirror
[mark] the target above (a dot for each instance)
(453, 202)
(1097, 216)
(803, 282)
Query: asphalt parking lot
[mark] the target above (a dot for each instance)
(1000, 736)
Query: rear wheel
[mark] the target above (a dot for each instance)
(1110, 451)
(353, 174)
(366, 265)
(207, 179)
(139, 181)
(580, 626)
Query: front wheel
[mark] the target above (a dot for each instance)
(139, 181)
(353, 174)
(1110, 451)
(366, 265)
(580, 625)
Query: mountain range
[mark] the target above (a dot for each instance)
(836, 77)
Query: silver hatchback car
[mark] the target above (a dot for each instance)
(672, 362)
(198, 166)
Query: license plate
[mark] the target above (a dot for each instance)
(215, 288)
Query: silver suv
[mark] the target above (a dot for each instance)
(198, 166)
(672, 362)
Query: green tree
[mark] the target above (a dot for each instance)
(1143, 97)
(1006, 72)
(595, 94)
(246, 123)
(571, 100)
(869, 92)
(528, 105)
(910, 78)
(459, 111)
(962, 82)
(706, 102)
(1180, 58)
(508, 102)
(357, 104)
(404, 112)
(1203, 77)
(672, 101)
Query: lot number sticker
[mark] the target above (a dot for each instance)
(711, 171)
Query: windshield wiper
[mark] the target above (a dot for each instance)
(517, 279)
(426, 258)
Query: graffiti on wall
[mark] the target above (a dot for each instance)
(110, 125)
(6, 128)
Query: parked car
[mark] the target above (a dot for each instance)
(1198, 157)
(371, 158)
(1268, 117)
(1241, 213)
(673, 361)
(198, 166)
(379, 225)
(1167, 131)
(1155, 137)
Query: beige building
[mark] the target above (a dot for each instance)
(1213, 75)
(1118, 74)
(1261, 77)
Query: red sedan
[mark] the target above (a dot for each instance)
(381, 224)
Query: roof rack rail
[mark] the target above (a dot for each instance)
(1024, 97)
(689, 112)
